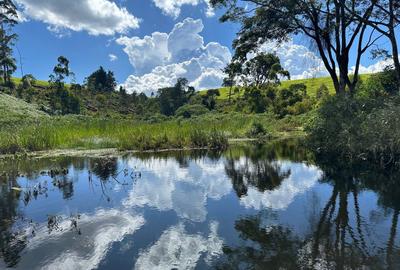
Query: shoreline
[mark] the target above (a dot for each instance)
(103, 152)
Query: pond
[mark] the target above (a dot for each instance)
(272, 206)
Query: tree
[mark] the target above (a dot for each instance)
(385, 19)
(171, 98)
(27, 81)
(8, 19)
(264, 69)
(61, 100)
(232, 70)
(331, 26)
(60, 72)
(322, 92)
(101, 81)
(208, 100)
(256, 99)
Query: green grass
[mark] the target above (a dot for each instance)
(312, 86)
(14, 111)
(78, 132)
(38, 83)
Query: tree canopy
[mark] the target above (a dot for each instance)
(263, 69)
(171, 98)
(101, 81)
(331, 25)
(8, 19)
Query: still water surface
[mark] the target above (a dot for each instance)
(252, 207)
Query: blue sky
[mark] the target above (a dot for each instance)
(189, 41)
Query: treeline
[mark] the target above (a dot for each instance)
(361, 121)
(99, 94)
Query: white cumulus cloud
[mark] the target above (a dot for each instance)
(62, 250)
(173, 7)
(176, 249)
(302, 63)
(297, 59)
(301, 179)
(161, 58)
(183, 190)
(97, 17)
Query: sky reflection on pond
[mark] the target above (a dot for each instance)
(249, 207)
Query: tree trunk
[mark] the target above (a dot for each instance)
(396, 60)
(230, 94)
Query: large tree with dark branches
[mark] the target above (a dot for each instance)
(385, 19)
(330, 24)
(8, 19)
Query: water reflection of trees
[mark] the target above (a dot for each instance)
(104, 168)
(341, 237)
(10, 244)
(337, 242)
(348, 180)
(258, 166)
(12, 239)
(271, 247)
(262, 174)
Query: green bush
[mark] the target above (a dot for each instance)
(292, 101)
(322, 92)
(357, 129)
(188, 111)
(381, 84)
(198, 138)
(257, 130)
(217, 140)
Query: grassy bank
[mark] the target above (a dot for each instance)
(79, 132)
(312, 85)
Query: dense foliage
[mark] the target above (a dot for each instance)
(361, 127)
(101, 81)
(8, 19)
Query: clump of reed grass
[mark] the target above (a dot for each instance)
(71, 132)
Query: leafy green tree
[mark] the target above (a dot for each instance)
(264, 69)
(322, 92)
(8, 19)
(209, 99)
(333, 29)
(101, 81)
(171, 98)
(288, 97)
(60, 72)
(233, 70)
(28, 81)
(61, 100)
(256, 99)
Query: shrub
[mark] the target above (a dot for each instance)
(322, 92)
(156, 118)
(188, 111)
(301, 107)
(286, 100)
(256, 100)
(357, 129)
(257, 130)
(198, 138)
(381, 84)
(217, 140)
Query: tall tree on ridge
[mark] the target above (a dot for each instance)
(328, 23)
(385, 19)
(8, 19)
(264, 69)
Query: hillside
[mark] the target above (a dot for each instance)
(312, 85)
(14, 110)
